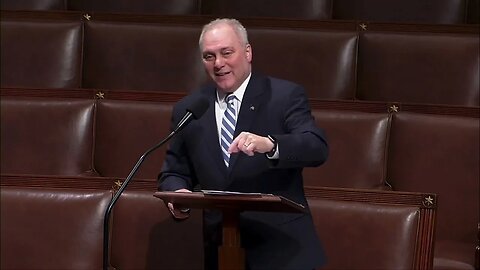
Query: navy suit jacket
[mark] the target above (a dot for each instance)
(270, 106)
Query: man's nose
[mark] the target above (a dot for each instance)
(219, 61)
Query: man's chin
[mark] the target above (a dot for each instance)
(227, 88)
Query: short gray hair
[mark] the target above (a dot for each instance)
(235, 24)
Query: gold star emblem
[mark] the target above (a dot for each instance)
(393, 109)
(87, 16)
(100, 95)
(428, 201)
(363, 26)
(118, 183)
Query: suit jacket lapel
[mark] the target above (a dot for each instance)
(252, 100)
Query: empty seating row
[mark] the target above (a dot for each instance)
(61, 228)
(430, 11)
(332, 60)
(374, 145)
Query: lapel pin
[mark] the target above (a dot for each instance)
(252, 108)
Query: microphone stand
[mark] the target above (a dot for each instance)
(106, 222)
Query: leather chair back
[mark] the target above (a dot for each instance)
(440, 154)
(357, 156)
(145, 236)
(321, 61)
(41, 54)
(52, 228)
(34, 5)
(298, 9)
(368, 229)
(412, 11)
(46, 136)
(419, 68)
(171, 7)
(150, 57)
(124, 131)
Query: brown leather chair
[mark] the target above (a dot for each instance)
(321, 61)
(299, 9)
(440, 154)
(145, 236)
(34, 5)
(50, 136)
(419, 68)
(357, 143)
(427, 11)
(173, 7)
(367, 229)
(134, 56)
(52, 228)
(473, 12)
(41, 53)
(124, 131)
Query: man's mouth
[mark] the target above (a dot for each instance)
(219, 74)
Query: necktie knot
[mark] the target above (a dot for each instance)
(229, 99)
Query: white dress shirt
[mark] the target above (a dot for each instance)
(221, 106)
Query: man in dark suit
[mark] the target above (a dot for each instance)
(256, 136)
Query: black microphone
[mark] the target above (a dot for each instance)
(195, 110)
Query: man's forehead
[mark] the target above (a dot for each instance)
(217, 48)
(221, 44)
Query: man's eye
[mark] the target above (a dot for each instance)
(208, 57)
(227, 53)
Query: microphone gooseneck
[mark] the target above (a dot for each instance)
(194, 111)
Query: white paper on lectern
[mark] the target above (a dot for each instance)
(222, 192)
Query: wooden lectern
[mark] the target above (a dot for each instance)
(230, 254)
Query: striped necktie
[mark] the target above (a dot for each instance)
(228, 128)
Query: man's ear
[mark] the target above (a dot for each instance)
(248, 52)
